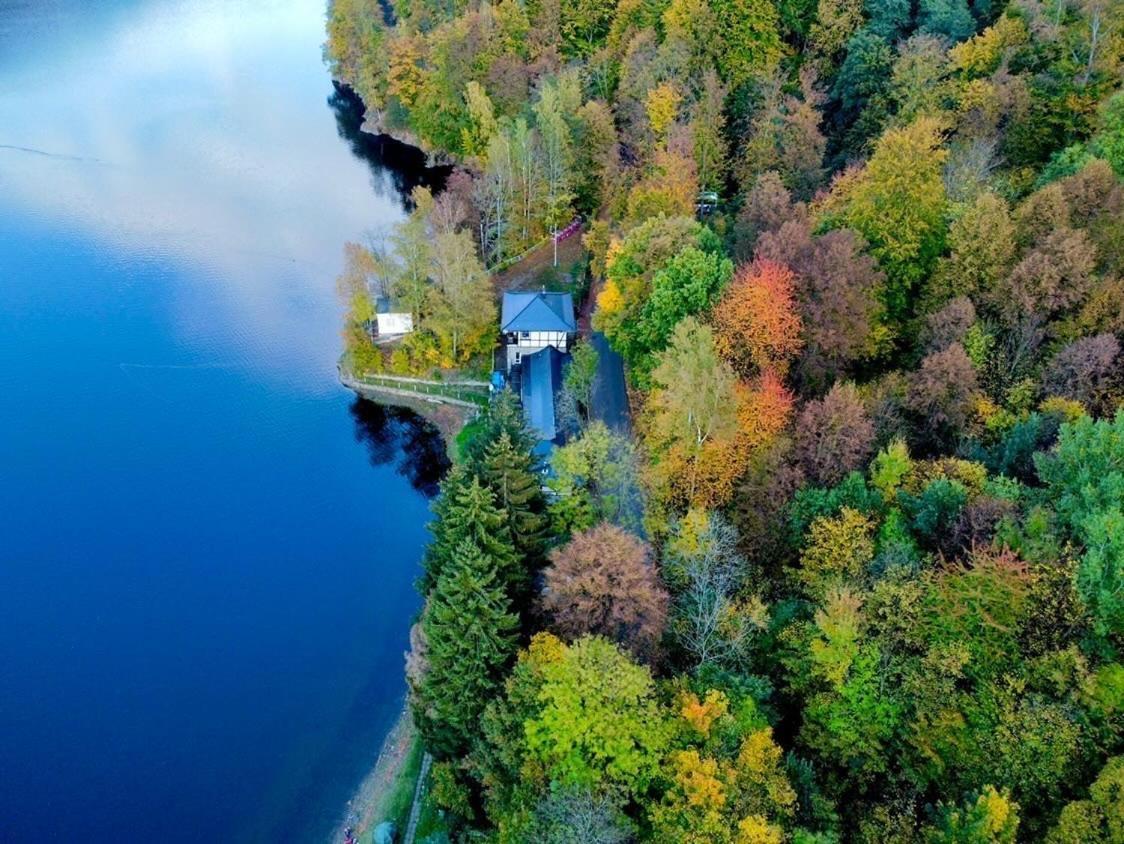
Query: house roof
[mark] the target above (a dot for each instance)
(538, 312)
(541, 377)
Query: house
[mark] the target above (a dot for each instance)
(538, 330)
(391, 323)
(530, 322)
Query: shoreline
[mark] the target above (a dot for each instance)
(367, 806)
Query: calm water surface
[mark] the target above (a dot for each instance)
(206, 547)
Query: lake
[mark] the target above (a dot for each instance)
(207, 547)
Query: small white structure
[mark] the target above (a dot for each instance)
(390, 324)
(531, 322)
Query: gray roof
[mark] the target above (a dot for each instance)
(541, 378)
(538, 312)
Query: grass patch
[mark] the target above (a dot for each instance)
(466, 436)
(397, 806)
(431, 824)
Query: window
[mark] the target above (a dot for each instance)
(525, 334)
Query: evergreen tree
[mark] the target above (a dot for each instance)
(505, 415)
(510, 474)
(470, 636)
(467, 511)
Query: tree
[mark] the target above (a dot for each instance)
(685, 286)
(557, 161)
(1054, 277)
(470, 638)
(596, 155)
(726, 801)
(756, 323)
(411, 241)
(948, 18)
(600, 726)
(897, 203)
(632, 262)
(786, 137)
(356, 48)
(941, 394)
(834, 435)
(495, 197)
(838, 288)
(467, 510)
(596, 479)
(708, 123)
(1086, 370)
(990, 818)
(837, 551)
(1099, 819)
(982, 245)
(768, 204)
(581, 375)
(585, 24)
(510, 473)
(603, 582)
(529, 176)
(579, 816)
(748, 42)
(464, 316)
(482, 120)
(662, 108)
(706, 571)
(691, 419)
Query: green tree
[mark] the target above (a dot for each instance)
(510, 473)
(1100, 818)
(469, 640)
(467, 510)
(581, 374)
(557, 161)
(688, 284)
(600, 726)
(595, 479)
(897, 203)
(990, 818)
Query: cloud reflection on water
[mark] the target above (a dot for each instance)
(180, 134)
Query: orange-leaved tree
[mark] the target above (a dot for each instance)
(756, 323)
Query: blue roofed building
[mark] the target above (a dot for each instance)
(538, 330)
(532, 321)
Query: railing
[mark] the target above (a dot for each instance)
(467, 393)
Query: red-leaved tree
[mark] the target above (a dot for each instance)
(604, 582)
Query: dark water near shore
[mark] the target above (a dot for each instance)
(207, 548)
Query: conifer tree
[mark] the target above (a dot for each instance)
(470, 635)
(505, 415)
(510, 474)
(467, 511)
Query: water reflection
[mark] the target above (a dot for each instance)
(400, 436)
(405, 167)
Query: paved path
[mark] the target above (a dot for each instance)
(610, 395)
(415, 809)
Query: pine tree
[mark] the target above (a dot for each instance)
(505, 415)
(467, 511)
(470, 635)
(510, 473)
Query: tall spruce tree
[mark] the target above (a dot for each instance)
(505, 415)
(470, 634)
(510, 473)
(467, 511)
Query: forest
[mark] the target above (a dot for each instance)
(858, 574)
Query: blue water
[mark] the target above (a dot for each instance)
(207, 548)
